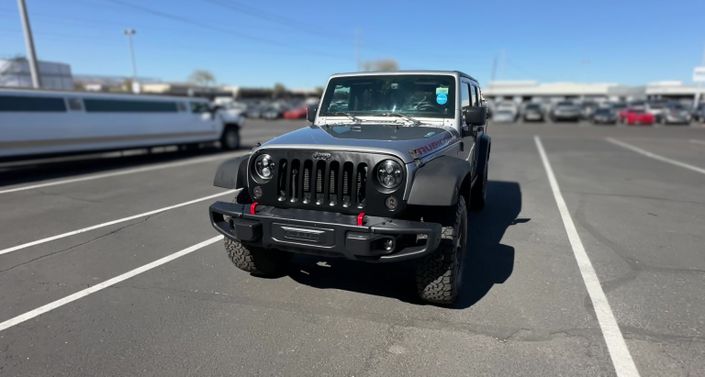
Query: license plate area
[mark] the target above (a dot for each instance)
(303, 235)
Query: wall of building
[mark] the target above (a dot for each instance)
(16, 73)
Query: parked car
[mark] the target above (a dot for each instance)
(504, 116)
(52, 122)
(699, 113)
(656, 108)
(533, 112)
(389, 180)
(588, 109)
(295, 113)
(675, 113)
(604, 115)
(254, 111)
(636, 116)
(566, 111)
(509, 110)
(271, 113)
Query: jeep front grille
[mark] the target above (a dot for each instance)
(322, 183)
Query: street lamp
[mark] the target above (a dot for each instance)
(135, 85)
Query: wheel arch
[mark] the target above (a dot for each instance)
(232, 174)
(445, 172)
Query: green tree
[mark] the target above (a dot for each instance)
(202, 77)
(279, 90)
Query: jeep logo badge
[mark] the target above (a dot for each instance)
(321, 156)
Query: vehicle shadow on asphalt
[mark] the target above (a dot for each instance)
(489, 262)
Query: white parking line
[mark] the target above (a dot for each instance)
(621, 358)
(697, 141)
(122, 172)
(100, 286)
(655, 156)
(113, 222)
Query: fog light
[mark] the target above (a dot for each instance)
(257, 192)
(391, 203)
(389, 244)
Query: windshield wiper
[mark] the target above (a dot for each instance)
(350, 116)
(414, 121)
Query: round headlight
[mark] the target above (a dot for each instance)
(389, 174)
(264, 166)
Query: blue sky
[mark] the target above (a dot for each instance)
(258, 43)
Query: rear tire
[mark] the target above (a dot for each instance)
(230, 139)
(259, 262)
(439, 275)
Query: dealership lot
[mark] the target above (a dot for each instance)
(85, 288)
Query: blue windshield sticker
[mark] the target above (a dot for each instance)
(441, 98)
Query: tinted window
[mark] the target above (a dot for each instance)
(464, 95)
(75, 104)
(23, 103)
(413, 95)
(122, 106)
(473, 97)
(199, 107)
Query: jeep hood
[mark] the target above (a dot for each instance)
(407, 143)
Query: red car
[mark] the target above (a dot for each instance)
(636, 116)
(297, 113)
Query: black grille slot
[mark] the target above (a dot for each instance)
(307, 176)
(294, 182)
(361, 185)
(282, 180)
(320, 171)
(322, 183)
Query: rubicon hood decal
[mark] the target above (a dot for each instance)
(432, 146)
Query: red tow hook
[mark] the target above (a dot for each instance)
(360, 219)
(253, 208)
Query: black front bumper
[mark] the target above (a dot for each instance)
(325, 233)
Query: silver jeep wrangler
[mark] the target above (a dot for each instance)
(385, 172)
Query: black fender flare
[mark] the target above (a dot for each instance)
(438, 182)
(484, 145)
(232, 174)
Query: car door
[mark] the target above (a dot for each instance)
(467, 98)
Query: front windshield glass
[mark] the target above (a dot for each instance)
(430, 96)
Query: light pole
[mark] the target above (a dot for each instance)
(29, 42)
(135, 85)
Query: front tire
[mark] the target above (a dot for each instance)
(259, 262)
(439, 275)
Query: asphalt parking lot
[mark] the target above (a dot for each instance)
(109, 267)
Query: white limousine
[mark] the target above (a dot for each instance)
(38, 122)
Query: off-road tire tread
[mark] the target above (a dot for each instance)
(256, 261)
(434, 273)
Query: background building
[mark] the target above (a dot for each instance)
(15, 73)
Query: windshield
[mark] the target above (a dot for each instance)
(413, 95)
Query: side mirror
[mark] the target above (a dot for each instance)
(475, 116)
(311, 113)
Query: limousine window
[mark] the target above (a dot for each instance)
(25, 103)
(123, 106)
(75, 104)
(199, 107)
